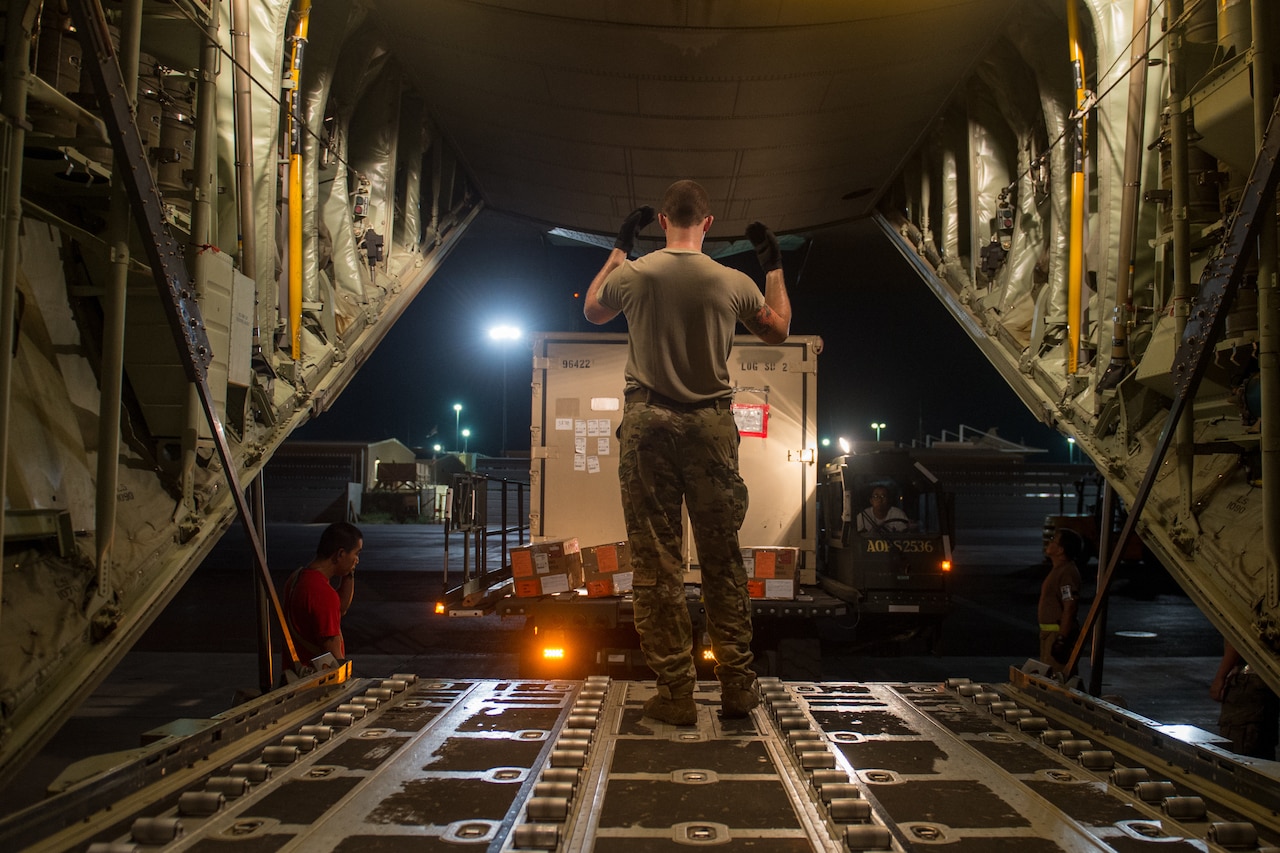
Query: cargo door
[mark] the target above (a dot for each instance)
(775, 404)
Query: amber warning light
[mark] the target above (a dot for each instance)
(946, 565)
(440, 608)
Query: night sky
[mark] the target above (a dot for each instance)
(892, 353)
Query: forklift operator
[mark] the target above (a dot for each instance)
(882, 516)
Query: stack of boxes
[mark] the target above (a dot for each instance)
(772, 573)
(560, 565)
(607, 569)
(544, 568)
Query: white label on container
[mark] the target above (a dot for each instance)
(541, 563)
(564, 424)
(622, 581)
(602, 446)
(579, 462)
(593, 464)
(555, 583)
(580, 427)
(779, 588)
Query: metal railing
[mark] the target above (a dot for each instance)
(475, 499)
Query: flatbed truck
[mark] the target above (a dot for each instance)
(893, 584)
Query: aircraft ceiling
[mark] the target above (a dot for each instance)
(794, 113)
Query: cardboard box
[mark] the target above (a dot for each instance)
(606, 569)
(544, 568)
(772, 572)
(777, 589)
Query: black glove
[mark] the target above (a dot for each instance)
(637, 219)
(766, 246)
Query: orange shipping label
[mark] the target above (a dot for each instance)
(521, 564)
(599, 589)
(528, 588)
(607, 559)
(755, 588)
(765, 563)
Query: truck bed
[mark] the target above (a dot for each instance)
(428, 764)
(617, 609)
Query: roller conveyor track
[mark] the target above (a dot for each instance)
(423, 765)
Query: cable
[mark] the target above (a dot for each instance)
(1101, 96)
(265, 90)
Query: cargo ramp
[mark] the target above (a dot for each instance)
(441, 764)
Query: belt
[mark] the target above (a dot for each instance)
(1044, 627)
(653, 398)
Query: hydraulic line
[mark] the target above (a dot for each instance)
(114, 310)
(295, 181)
(1129, 199)
(18, 28)
(1183, 287)
(244, 145)
(203, 161)
(243, 101)
(1075, 259)
(1268, 318)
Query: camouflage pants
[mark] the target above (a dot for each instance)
(1250, 715)
(668, 456)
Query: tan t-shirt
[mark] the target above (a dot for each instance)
(1061, 584)
(682, 309)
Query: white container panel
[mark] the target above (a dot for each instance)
(577, 405)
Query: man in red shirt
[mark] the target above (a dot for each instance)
(313, 607)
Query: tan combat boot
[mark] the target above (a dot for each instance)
(677, 710)
(737, 700)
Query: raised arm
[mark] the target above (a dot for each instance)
(592, 308)
(772, 323)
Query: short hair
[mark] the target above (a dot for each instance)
(686, 204)
(339, 536)
(1072, 544)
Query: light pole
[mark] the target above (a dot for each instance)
(877, 426)
(466, 438)
(457, 420)
(504, 334)
(1071, 449)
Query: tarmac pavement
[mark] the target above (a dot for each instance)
(201, 652)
